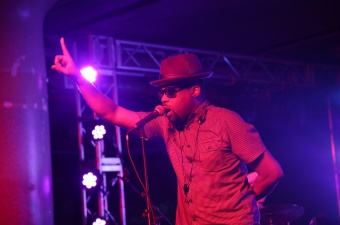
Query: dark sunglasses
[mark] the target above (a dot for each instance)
(170, 92)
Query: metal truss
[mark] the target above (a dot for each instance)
(143, 59)
(102, 156)
(108, 201)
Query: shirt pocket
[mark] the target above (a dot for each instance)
(212, 155)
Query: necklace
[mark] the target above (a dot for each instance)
(199, 113)
(187, 179)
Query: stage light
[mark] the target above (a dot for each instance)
(99, 221)
(98, 132)
(89, 73)
(90, 180)
(90, 177)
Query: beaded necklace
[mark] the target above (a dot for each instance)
(188, 178)
(201, 113)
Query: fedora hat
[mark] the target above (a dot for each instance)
(180, 69)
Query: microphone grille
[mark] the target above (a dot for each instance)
(161, 110)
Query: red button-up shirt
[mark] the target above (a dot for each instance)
(209, 158)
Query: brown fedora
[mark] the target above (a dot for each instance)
(180, 69)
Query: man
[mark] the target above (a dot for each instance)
(209, 147)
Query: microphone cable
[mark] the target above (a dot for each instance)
(146, 192)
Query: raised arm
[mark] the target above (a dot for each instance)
(269, 173)
(99, 103)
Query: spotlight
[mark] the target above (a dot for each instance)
(91, 179)
(98, 132)
(89, 73)
(99, 221)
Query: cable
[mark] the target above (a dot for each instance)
(147, 197)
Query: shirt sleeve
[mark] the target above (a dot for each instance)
(244, 139)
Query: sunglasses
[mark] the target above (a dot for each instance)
(170, 92)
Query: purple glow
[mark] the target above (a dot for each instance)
(47, 185)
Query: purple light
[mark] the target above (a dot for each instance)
(89, 73)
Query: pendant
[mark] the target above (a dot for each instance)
(186, 189)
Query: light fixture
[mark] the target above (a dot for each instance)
(99, 221)
(98, 132)
(89, 73)
(91, 179)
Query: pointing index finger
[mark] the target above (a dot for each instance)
(63, 47)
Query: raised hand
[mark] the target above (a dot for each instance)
(64, 63)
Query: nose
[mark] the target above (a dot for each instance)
(164, 98)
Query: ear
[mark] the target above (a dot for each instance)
(195, 91)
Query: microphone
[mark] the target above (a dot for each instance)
(158, 111)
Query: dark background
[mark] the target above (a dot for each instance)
(293, 121)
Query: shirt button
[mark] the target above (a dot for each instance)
(194, 218)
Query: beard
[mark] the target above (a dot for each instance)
(177, 122)
(172, 117)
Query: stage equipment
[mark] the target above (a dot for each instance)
(102, 147)
(99, 221)
(98, 132)
(89, 73)
(91, 180)
(149, 212)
